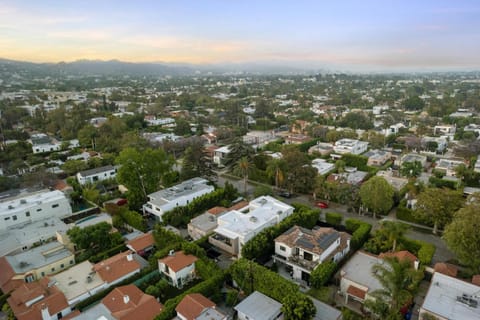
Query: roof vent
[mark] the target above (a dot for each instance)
(126, 299)
(10, 207)
(129, 257)
(253, 219)
(23, 201)
(171, 253)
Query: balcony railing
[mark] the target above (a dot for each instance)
(298, 260)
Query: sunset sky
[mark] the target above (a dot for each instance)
(357, 33)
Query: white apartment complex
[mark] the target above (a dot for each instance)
(179, 195)
(353, 146)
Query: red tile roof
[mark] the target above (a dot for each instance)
(53, 299)
(238, 206)
(192, 305)
(116, 267)
(142, 242)
(217, 210)
(400, 255)
(476, 279)
(178, 260)
(7, 284)
(130, 303)
(445, 268)
(356, 292)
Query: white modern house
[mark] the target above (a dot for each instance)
(236, 227)
(322, 166)
(96, 174)
(450, 298)
(445, 130)
(353, 146)
(179, 195)
(26, 208)
(178, 268)
(304, 249)
(220, 154)
(258, 306)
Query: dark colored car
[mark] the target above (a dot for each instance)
(285, 194)
(321, 204)
(121, 202)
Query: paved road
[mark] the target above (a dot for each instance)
(442, 253)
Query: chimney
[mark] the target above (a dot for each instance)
(126, 299)
(45, 313)
(129, 257)
(416, 263)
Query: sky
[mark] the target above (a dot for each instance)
(408, 34)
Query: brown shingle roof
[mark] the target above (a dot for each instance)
(217, 210)
(53, 299)
(400, 255)
(178, 261)
(315, 241)
(116, 267)
(138, 305)
(142, 242)
(445, 268)
(192, 305)
(238, 206)
(476, 279)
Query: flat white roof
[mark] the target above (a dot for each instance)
(73, 282)
(441, 298)
(183, 189)
(359, 269)
(24, 201)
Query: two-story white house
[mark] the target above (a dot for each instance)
(304, 249)
(96, 174)
(236, 227)
(352, 146)
(179, 195)
(220, 154)
(19, 209)
(178, 268)
(322, 166)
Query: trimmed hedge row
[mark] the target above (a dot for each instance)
(334, 219)
(406, 214)
(423, 250)
(322, 274)
(360, 232)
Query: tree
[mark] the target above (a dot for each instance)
(414, 103)
(71, 167)
(438, 205)
(238, 150)
(95, 238)
(243, 167)
(462, 235)
(377, 195)
(394, 231)
(298, 307)
(142, 172)
(399, 280)
(196, 163)
(275, 170)
(411, 169)
(182, 127)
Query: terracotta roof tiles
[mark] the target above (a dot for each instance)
(192, 305)
(178, 260)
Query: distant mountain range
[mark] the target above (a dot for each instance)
(115, 67)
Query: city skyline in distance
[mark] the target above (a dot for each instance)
(349, 35)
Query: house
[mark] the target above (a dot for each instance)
(476, 167)
(205, 223)
(34, 264)
(142, 244)
(18, 209)
(396, 182)
(97, 174)
(446, 268)
(79, 282)
(326, 311)
(40, 300)
(351, 176)
(195, 306)
(356, 279)
(43, 143)
(377, 158)
(258, 306)
(259, 138)
(304, 249)
(449, 298)
(220, 154)
(178, 268)
(352, 146)
(412, 157)
(441, 142)
(179, 195)
(394, 129)
(322, 166)
(297, 139)
(238, 226)
(444, 130)
(321, 148)
(117, 268)
(448, 166)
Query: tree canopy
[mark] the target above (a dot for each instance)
(377, 195)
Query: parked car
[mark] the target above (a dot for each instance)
(285, 194)
(321, 204)
(121, 202)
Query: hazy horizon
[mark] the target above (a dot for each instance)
(349, 35)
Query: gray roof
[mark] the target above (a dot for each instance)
(258, 306)
(90, 172)
(98, 311)
(325, 312)
(38, 257)
(205, 222)
(182, 189)
(359, 270)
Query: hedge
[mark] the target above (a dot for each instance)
(423, 250)
(353, 224)
(322, 274)
(334, 219)
(406, 214)
(108, 253)
(360, 235)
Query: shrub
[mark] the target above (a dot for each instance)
(352, 224)
(423, 250)
(334, 219)
(322, 274)
(360, 236)
(232, 297)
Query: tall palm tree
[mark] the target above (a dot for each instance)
(275, 168)
(399, 280)
(243, 167)
(394, 231)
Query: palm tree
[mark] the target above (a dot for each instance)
(275, 168)
(394, 231)
(399, 280)
(243, 167)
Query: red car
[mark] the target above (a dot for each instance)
(321, 204)
(121, 202)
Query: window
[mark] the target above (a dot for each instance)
(27, 214)
(53, 269)
(282, 248)
(71, 261)
(39, 209)
(62, 266)
(55, 205)
(14, 218)
(7, 218)
(112, 173)
(43, 274)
